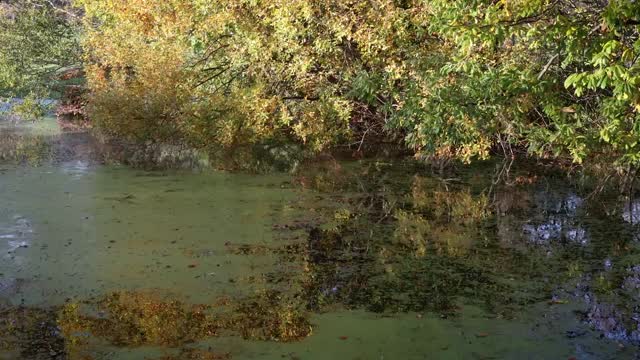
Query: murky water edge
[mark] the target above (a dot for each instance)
(347, 260)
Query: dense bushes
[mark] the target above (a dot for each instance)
(459, 78)
(39, 41)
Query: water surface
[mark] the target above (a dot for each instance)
(372, 259)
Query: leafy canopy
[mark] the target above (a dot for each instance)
(452, 78)
(39, 39)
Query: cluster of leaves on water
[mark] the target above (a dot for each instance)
(33, 333)
(30, 333)
(145, 318)
(271, 316)
(139, 318)
(196, 354)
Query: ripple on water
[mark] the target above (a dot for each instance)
(18, 233)
(76, 169)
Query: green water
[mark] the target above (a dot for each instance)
(341, 260)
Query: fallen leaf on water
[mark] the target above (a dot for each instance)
(344, 337)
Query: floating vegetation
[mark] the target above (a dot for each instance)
(134, 318)
(30, 333)
(196, 354)
(270, 316)
(372, 239)
(144, 318)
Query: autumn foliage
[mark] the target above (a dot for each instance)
(454, 79)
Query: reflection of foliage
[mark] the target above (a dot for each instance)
(324, 176)
(397, 243)
(412, 230)
(448, 204)
(16, 148)
(442, 218)
(460, 206)
(377, 275)
(446, 246)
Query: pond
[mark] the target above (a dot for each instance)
(371, 259)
